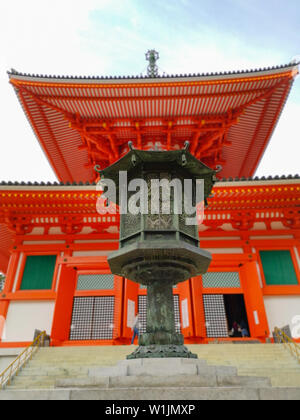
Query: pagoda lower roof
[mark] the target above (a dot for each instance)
(72, 207)
(228, 118)
(257, 179)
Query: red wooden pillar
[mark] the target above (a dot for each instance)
(198, 309)
(64, 305)
(8, 287)
(119, 309)
(254, 301)
(11, 273)
(4, 304)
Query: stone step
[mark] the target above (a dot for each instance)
(40, 382)
(284, 354)
(77, 362)
(278, 379)
(156, 394)
(70, 370)
(165, 381)
(230, 355)
(205, 349)
(97, 360)
(74, 356)
(255, 358)
(54, 371)
(256, 365)
(215, 361)
(273, 370)
(249, 360)
(145, 381)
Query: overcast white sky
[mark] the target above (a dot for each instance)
(110, 37)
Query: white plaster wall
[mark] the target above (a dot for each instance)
(37, 231)
(91, 253)
(220, 238)
(44, 242)
(55, 231)
(259, 226)
(86, 230)
(282, 311)
(227, 227)
(225, 250)
(277, 226)
(23, 318)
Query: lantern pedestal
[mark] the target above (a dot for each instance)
(158, 352)
(147, 261)
(177, 262)
(161, 339)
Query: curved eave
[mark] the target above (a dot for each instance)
(16, 192)
(50, 103)
(13, 74)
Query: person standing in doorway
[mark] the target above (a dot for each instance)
(236, 330)
(136, 328)
(244, 328)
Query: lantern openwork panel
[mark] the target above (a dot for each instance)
(164, 208)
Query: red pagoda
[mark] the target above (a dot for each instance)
(54, 245)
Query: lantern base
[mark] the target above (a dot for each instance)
(162, 351)
(161, 338)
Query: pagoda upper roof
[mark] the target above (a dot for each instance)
(227, 117)
(142, 77)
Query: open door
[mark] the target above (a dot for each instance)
(254, 301)
(130, 307)
(64, 305)
(186, 310)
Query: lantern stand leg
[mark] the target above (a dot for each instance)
(161, 339)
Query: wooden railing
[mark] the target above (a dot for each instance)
(14, 368)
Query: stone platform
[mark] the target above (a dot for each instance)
(159, 379)
(171, 373)
(223, 372)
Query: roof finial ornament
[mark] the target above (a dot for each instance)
(152, 56)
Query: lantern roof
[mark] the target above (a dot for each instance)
(174, 160)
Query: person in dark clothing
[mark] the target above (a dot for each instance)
(244, 328)
(236, 330)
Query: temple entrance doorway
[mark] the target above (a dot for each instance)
(222, 311)
(236, 311)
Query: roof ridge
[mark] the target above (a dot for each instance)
(14, 72)
(82, 183)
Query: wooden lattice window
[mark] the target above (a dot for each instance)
(95, 282)
(221, 280)
(215, 316)
(93, 318)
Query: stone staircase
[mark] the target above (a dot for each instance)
(270, 360)
(224, 371)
